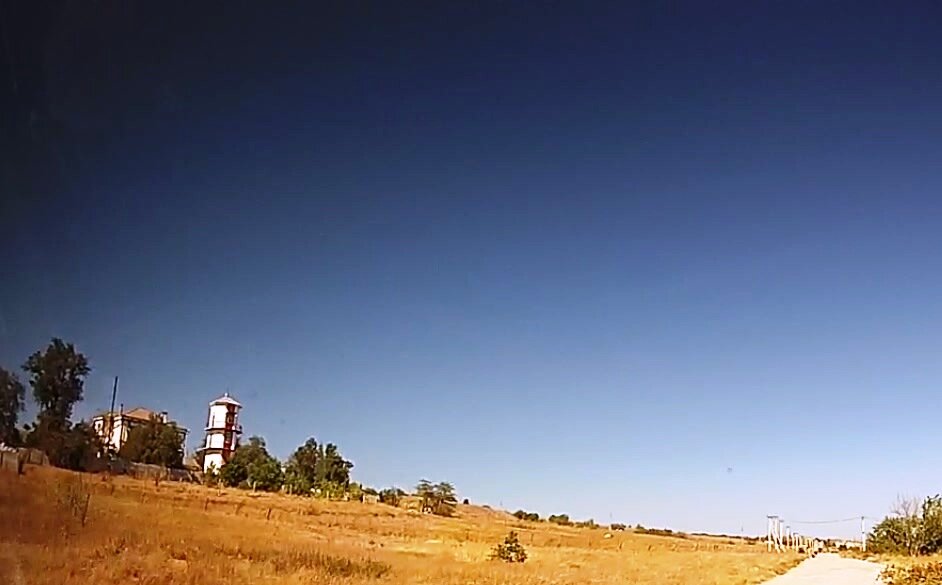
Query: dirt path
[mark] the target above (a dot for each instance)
(830, 569)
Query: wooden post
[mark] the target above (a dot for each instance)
(88, 498)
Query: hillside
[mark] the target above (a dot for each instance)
(136, 532)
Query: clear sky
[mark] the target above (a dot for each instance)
(677, 265)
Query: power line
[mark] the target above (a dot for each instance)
(825, 521)
(872, 519)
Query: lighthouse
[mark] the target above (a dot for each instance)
(222, 432)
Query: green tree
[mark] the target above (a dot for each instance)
(253, 467)
(77, 447)
(913, 528)
(561, 519)
(57, 378)
(438, 499)
(524, 515)
(154, 442)
(321, 468)
(12, 395)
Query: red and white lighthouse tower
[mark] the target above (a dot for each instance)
(222, 432)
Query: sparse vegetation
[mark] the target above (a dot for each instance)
(510, 551)
(187, 534)
(917, 574)
(639, 529)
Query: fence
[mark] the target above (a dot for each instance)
(14, 459)
(146, 471)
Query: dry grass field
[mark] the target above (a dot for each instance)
(136, 532)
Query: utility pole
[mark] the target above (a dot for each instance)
(114, 394)
(768, 532)
(863, 533)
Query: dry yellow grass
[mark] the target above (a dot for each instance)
(136, 532)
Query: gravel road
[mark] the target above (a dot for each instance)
(831, 569)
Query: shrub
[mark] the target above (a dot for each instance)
(511, 551)
(617, 526)
(921, 574)
(531, 516)
(561, 519)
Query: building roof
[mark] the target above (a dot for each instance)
(141, 413)
(226, 399)
(138, 413)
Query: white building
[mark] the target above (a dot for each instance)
(222, 432)
(113, 427)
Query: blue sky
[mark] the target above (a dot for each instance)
(670, 266)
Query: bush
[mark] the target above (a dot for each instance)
(921, 574)
(590, 523)
(561, 519)
(617, 526)
(639, 529)
(511, 551)
(531, 516)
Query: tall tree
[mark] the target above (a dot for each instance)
(57, 377)
(253, 467)
(12, 395)
(320, 467)
(154, 442)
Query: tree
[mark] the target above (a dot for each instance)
(57, 377)
(561, 519)
(511, 551)
(913, 528)
(253, 467)
(438, 499)
(154, 442)
(80, 448)
(391, 496)
(77, 447)
(12, 395)
(524, 515)
(319, 468)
